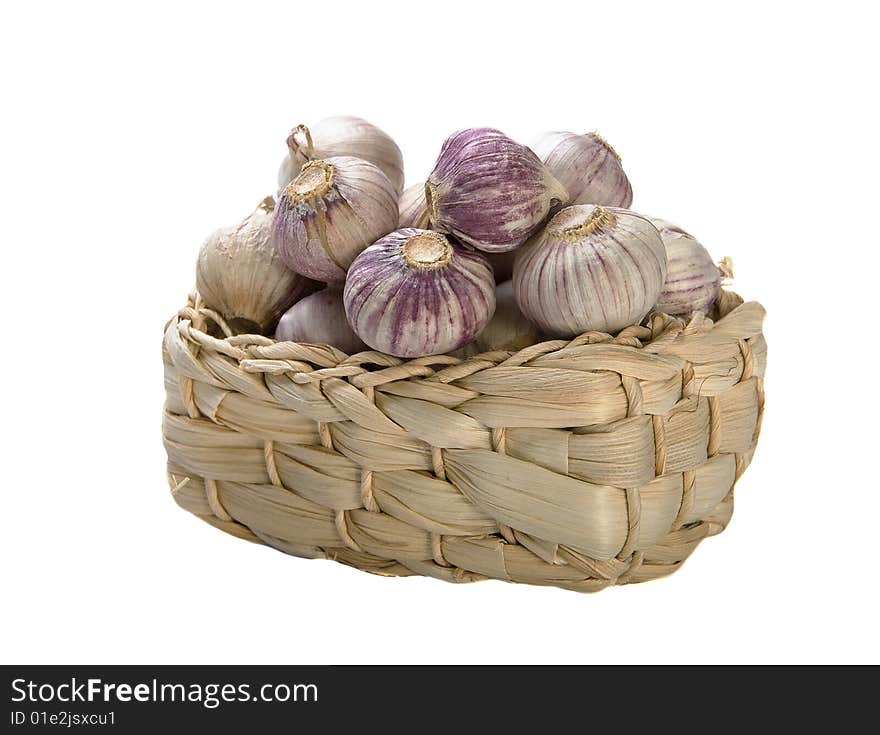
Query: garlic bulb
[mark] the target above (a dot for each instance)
(502, 265)
(508, 329)
(344, 135)
(241, 276)
(414, 293)
(692, 279)
(320, 319)
(587, 166)
(330, 212)
(590, 268)
(413, 208)
(489, 191)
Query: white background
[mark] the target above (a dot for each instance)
(128, 134)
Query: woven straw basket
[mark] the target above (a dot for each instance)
(581, 464)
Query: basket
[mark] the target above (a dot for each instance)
(580, 463)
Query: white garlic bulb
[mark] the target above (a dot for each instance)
(587, 166)
(590, 268)
(413, 207)
(343, 135)
(240, 275)
(692, 279)
(509, 329)
(329, 213)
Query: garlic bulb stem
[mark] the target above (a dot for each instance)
(293, 145)
(432, 204)
(725, 266)
(611, 149)
(426, 251)
(315, 180)
(599, 219)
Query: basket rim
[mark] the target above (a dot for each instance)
(263, 354)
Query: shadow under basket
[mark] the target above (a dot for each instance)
(580, 463)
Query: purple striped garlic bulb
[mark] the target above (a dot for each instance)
(329, 213)
(490, 191)
(343, 135)
(413, 207)
(587, 166)
(590, 268)
(320, 319)
(692, 279)
(241, 276)
(413, 293)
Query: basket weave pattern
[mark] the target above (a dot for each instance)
(576, 463)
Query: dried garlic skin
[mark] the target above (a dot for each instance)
(413, 207)
(590, 268)
(320, 319)
(415, 293)
(509, 329)
(587, 166)
(329, 213)
(490, 191)
(692, 278)
(343, 135)
(240, 275)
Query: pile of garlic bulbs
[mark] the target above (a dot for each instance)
(501, 246)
